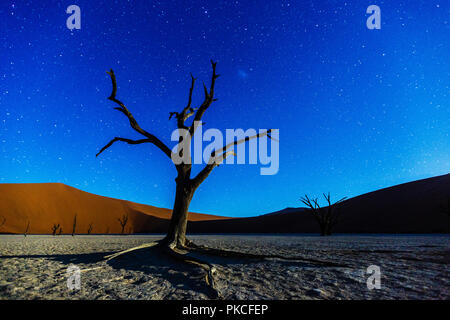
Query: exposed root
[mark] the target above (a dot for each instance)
(179, 254)
(185, 255)
(90, 269)
(145, 245)
(62, 275)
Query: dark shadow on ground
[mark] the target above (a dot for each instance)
(83, 258)
(152, 261)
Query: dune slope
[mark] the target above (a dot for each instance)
(412, 207)
(45, 204)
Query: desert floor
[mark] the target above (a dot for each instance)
(412, 267)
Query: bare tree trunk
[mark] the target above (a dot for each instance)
(176, 236)
(185, 186)
(322, 229)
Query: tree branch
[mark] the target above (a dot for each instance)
(129, 141)
(187, 111)
(314, 208)
(209, 98)
(122, 108)
(223, 152)
(188, 106)
(204, 173)
(237, 142)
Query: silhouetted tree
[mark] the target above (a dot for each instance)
(107, 230)
(26, 229)
(2, 221)
(74, 225)
(185, 184)
(89, 229)
(60, 231)
(123, 222)
(327, 217)
(55, 228)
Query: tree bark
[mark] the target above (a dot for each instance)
(176, 235)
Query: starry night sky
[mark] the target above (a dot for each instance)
(357, 109)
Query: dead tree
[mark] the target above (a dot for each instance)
(89, 229)
(60, 231)
(123, 222)
(26, 229)
(327, 217)
(74, 225)
(2, 221)
(55, 228)
(185, 184)
(107, 230)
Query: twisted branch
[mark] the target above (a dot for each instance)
(129, 141)
(133, 123)
(209, 98)
(187, 111)
(326, 217)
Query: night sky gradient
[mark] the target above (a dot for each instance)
(357, 109)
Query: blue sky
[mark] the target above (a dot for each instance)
(357, 109)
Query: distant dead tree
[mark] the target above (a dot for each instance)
(327, 217)
(123, 222)
(55, 228)
(89, 229)
(445, 209)
(107, 230)
(26, 229)
(74, 225)
(2, 221)
(60, 231)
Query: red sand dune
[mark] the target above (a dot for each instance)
(45, 204)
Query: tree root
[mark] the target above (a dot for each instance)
(115, 255)
(184, 255)
(209, 269)
(179, 254)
